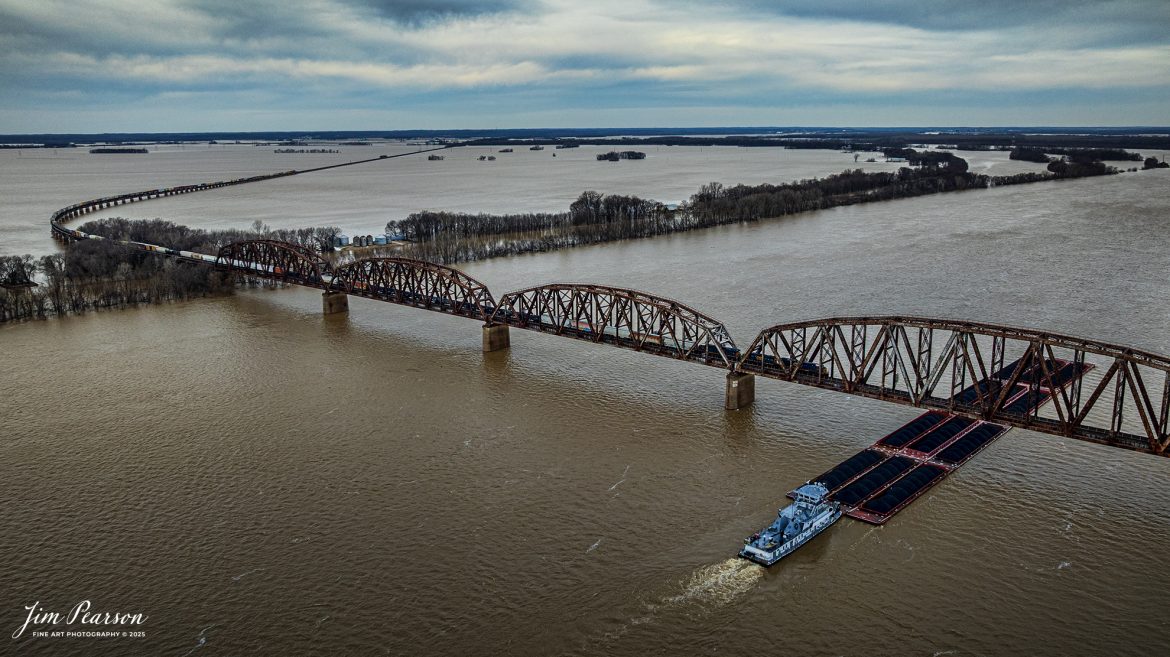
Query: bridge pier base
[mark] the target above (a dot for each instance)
(495, 337)
(334, 302)
(741, 391)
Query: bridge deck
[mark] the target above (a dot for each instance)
(881, 480)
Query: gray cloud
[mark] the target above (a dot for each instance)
(259, 19)
(418, 12)
(111, 27)
(963, 14)
(1118, 21)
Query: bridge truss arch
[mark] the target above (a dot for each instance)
(621, 317)
(1101, 392)
(276, 260)
(417, 283)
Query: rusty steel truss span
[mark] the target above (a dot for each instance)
(621, 317)
(1101, 392)
(276, 260)
(416, 283)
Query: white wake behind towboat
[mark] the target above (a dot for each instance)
(795, 525)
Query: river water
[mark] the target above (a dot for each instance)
(260, 479)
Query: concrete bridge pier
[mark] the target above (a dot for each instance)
(495, 337)
(741, 390)
(334, 302)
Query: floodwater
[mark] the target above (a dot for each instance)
(260, 479)
(361, 199)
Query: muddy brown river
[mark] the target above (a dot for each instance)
(258, 478)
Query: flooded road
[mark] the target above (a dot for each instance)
(260, 479)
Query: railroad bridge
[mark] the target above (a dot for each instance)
(980, 371)
(1100, 392)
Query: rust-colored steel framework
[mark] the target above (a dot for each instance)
(416, 283)
(1101, 392)
(974, 369)
(276, 260)
(621, 317)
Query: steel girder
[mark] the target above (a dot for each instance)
(966, 368)
(276, 260)
(621, 317)
(416, 283)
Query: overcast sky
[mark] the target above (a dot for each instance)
(200, 65)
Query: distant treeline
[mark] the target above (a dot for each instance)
(908, 135)
(866, 141)
(96, 274)
(929, 159)
(874, 139)
(1071, 168)
(1082, 155)
(614, 156)
(1029, 155)
(1112, 154)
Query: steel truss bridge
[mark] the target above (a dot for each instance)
(1103, 393)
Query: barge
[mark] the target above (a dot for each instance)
(881, 480)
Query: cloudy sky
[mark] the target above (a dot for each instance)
(170, 65)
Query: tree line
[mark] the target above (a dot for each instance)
(614, 156)
(96, 274)
(184, 238)
(449, 237)
(1076, 155)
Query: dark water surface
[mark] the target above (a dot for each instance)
(260, 479)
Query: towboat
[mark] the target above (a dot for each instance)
(795, 525)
